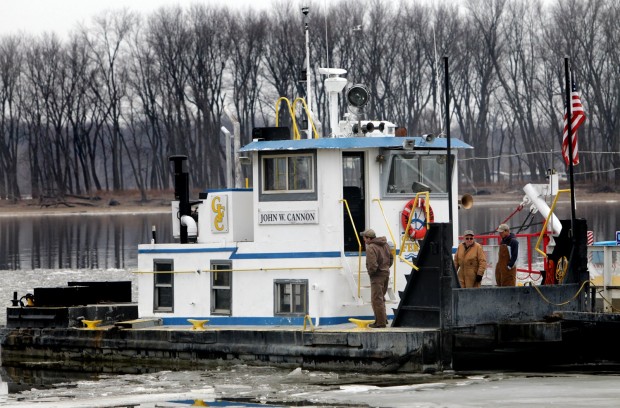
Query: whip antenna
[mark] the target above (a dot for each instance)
(326, 39)
(437, 83)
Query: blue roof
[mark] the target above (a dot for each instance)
(389, 142)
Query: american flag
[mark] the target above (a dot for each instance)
(578, 116)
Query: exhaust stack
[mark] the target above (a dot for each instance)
(181, 194)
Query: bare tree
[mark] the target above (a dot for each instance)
(284, 54)
(10, 117)
(210, 53)
(145, 114)
(414, 79)
(477, 78)
(379, 50)
(105, 43)
(44, 106)
(80, 124)
(517, 72)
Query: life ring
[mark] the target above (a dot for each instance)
(420, 231)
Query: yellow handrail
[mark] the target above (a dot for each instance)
(303, 102)
(290, 110)
(283, 268)
(544, 228)
(405, 235)
(359, 244)
(391, 235)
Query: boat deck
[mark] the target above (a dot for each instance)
(341, 347)
(337, 328)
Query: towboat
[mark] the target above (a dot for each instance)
(287, 250)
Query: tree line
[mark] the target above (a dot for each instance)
(103, 109)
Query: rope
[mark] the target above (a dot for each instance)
(533, 224)
(519, 208)
(560, 269)
(562, 303)
(530, 217)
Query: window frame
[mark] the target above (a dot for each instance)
(391, 155)
(225, 264)
(277, 304)
(309, 194)
(157, 264)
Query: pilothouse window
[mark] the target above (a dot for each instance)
(288, 177)
(288, 173)
(412, 173)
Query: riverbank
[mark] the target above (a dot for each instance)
(124, 202)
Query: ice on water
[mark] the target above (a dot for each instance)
(270, 387)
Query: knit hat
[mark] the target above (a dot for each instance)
(368, 233)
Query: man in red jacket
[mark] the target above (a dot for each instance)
(379, 258)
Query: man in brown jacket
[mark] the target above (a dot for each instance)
(379, 258)
(506, 267)
(470, 261)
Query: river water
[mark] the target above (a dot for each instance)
(47, 251)
(109, 241)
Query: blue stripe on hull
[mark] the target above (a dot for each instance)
(261, 321)
(183, 250)
(286, 255)
(235, 255)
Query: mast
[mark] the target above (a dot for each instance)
(306, 10)
(448, 161)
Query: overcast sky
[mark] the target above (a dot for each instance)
(61, 16)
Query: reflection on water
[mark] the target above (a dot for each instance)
(83, 241)
(77, 241)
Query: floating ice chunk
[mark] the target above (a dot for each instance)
(358, 388)
(296, 371)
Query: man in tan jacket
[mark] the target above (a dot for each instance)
(470, 261)
(379, 258)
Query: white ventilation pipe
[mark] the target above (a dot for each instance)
(229, 111)
(228, 138)
(190, 223)
(535, 198)
(334, 86)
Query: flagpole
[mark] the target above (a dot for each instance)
(448, 152)
(569, 109)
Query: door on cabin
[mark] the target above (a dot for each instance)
(354, 192)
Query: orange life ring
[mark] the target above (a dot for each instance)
(411, 230)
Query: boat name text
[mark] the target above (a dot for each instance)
(288, 217)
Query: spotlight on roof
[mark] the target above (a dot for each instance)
(358, 95)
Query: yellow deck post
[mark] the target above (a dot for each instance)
(198, 324)
(361, 324)
(91, 324)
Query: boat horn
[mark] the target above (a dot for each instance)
(466, 202)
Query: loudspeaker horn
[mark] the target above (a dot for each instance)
(466, 202)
